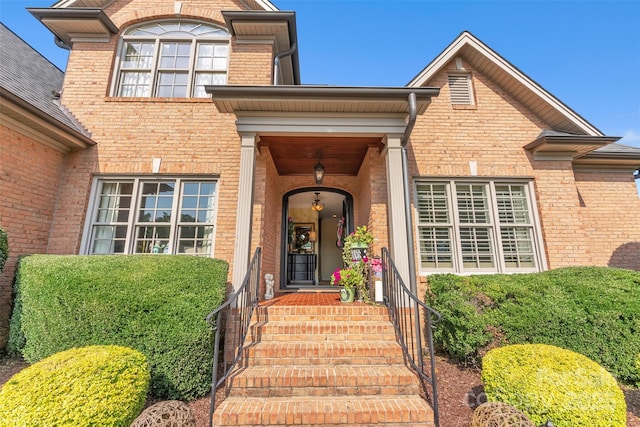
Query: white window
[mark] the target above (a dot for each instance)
(138, 215)
(172, 59)
(475, 227)
(460, 89)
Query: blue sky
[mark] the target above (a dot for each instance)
(586, 53)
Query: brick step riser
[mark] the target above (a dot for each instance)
(336, 360)
(327, 376)
(238, 391)
(311, 332)
(322, 311)
(342, 411)
(318, 318)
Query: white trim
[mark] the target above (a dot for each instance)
(320, 124)
(467, 39)
(244, 212)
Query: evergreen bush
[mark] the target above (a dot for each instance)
(550, 383)
(154, 304)
(4, 249)
(593, 311)
(89, 386)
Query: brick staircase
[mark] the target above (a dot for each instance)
(330, 365)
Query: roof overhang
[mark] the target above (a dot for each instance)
(615, 155)
(251, 4)
(76, 24)
(567, 146)
(277, 27)
(543, 104)
(25, 118)
(319, 99)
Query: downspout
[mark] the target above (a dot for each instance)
(413, 111)
(276, 62)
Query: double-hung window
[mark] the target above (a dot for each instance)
(152, 216)
(475, 227)
(174, 59)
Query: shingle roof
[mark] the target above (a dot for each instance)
(616, 148)
(28, 75)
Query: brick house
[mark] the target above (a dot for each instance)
(182, 127)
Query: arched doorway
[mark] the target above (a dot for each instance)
(311, 246)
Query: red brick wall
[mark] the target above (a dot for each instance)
(493, 134)
(610, 209)
(189, 135)
(29, 182)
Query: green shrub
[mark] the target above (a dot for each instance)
(4, 248)
(89, 386)
(593, 311)
(638, 366)
(550, 383)
(154, 304)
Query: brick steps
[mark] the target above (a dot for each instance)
(323, 380)
(321, 330)
(377, 352)
(323, 365)
(387, 411)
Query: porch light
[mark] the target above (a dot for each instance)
(318, 171)
(317, 205)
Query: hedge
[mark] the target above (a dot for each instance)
(550, 383)
(89, 386)
(4, 249)
(593, 311)
(154, 304)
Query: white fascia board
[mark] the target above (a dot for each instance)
(267, 5)
(62, 4)
(321, 124)
(468, 39)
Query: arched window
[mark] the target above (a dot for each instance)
(171, 59)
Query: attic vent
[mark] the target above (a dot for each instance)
(460, 89)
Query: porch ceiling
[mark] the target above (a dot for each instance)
(294, 155)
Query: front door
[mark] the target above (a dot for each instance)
(316, 220)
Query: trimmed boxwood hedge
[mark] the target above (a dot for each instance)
(88, 386)
(591, 310)
(550, 383)
(154, 304)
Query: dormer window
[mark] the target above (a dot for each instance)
(175, 59)
(460, 89)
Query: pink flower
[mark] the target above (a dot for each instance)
(336, 276)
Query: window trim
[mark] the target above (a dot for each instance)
(495, 226)
(132, 224)
(192, 71)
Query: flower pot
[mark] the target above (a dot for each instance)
(347, 294)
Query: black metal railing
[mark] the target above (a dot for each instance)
(413, 321)
(233, 317)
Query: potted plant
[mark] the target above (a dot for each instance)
(353, 276)
(350, 279)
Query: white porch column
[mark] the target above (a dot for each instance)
(398, 244)
(245, 208)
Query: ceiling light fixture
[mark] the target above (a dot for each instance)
(318, 172)
(317, 205)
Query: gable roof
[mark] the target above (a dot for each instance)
(482, 58)
(29, 85)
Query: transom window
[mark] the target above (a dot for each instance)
(168, 216)
(172, 60)
(471, 227)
